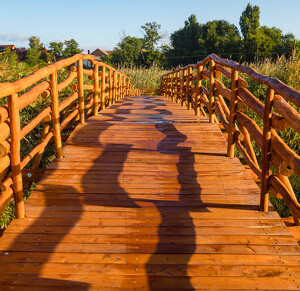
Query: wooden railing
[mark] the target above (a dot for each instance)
(228, 107)
(106, 86)
(147, 91)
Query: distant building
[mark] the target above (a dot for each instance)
(4, 47)
(97, 54)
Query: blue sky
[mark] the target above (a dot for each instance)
(101, 23)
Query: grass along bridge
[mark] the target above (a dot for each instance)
(146, 194)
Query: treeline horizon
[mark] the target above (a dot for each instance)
(189, 44)
(194, 41)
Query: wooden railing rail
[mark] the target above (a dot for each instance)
(228, 107)
(147, 91)
(58, 114)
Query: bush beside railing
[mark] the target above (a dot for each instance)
(107, 85)
(227, 107)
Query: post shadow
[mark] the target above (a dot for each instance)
(33, 265)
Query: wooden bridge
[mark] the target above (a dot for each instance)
(144, 194)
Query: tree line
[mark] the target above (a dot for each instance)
(194, 41)
(189, 44)
(38, 55)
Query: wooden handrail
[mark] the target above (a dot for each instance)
(62, 110)
(177, 85)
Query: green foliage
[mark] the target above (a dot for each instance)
(195, 41)
(130, 51)
(9, 57)
(127, 52)
(38, 55)
(71, 48)
(153, 57)
(56, 48)
(151, 35)
(222, 38)
(10, 69)
(34, 53)
(249, 21)
(186, 47)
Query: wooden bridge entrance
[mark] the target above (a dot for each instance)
(145, 198)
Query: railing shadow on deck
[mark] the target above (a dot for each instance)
(32, 268)
(108, 84)
(169, 146)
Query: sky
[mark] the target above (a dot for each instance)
(101, 24)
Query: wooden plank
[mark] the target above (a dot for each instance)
(145, 198)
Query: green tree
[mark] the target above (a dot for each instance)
(268, 42)
(71, 48)
(289, 45)
(222, 38)
(153, 57)
(186, 43)
(249, 24)
(151, 35)
(249, 21)
(195, 41)
(34, 53)
(128, 51)
(56, 48)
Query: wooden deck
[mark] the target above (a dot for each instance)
(145, 198)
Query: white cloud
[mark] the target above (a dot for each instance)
(13, 37)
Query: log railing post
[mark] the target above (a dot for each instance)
(96, 88)
(110, 87)
(176, 86)
(55, 114)
(211, 91)
(127, 87)
(232, 116)
(80, 90)
(103, 88)
(188, 89)
(198, 87)
(182, 87)
(15, 158)
(266, 151)
(172, 86)
(123, 85)
(167, 86)
(120, 86)
(115, 86)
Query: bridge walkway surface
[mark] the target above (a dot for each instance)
(145, 198)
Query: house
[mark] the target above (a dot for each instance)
(97, 54)
(4, 47)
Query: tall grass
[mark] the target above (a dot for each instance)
(143, 78)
